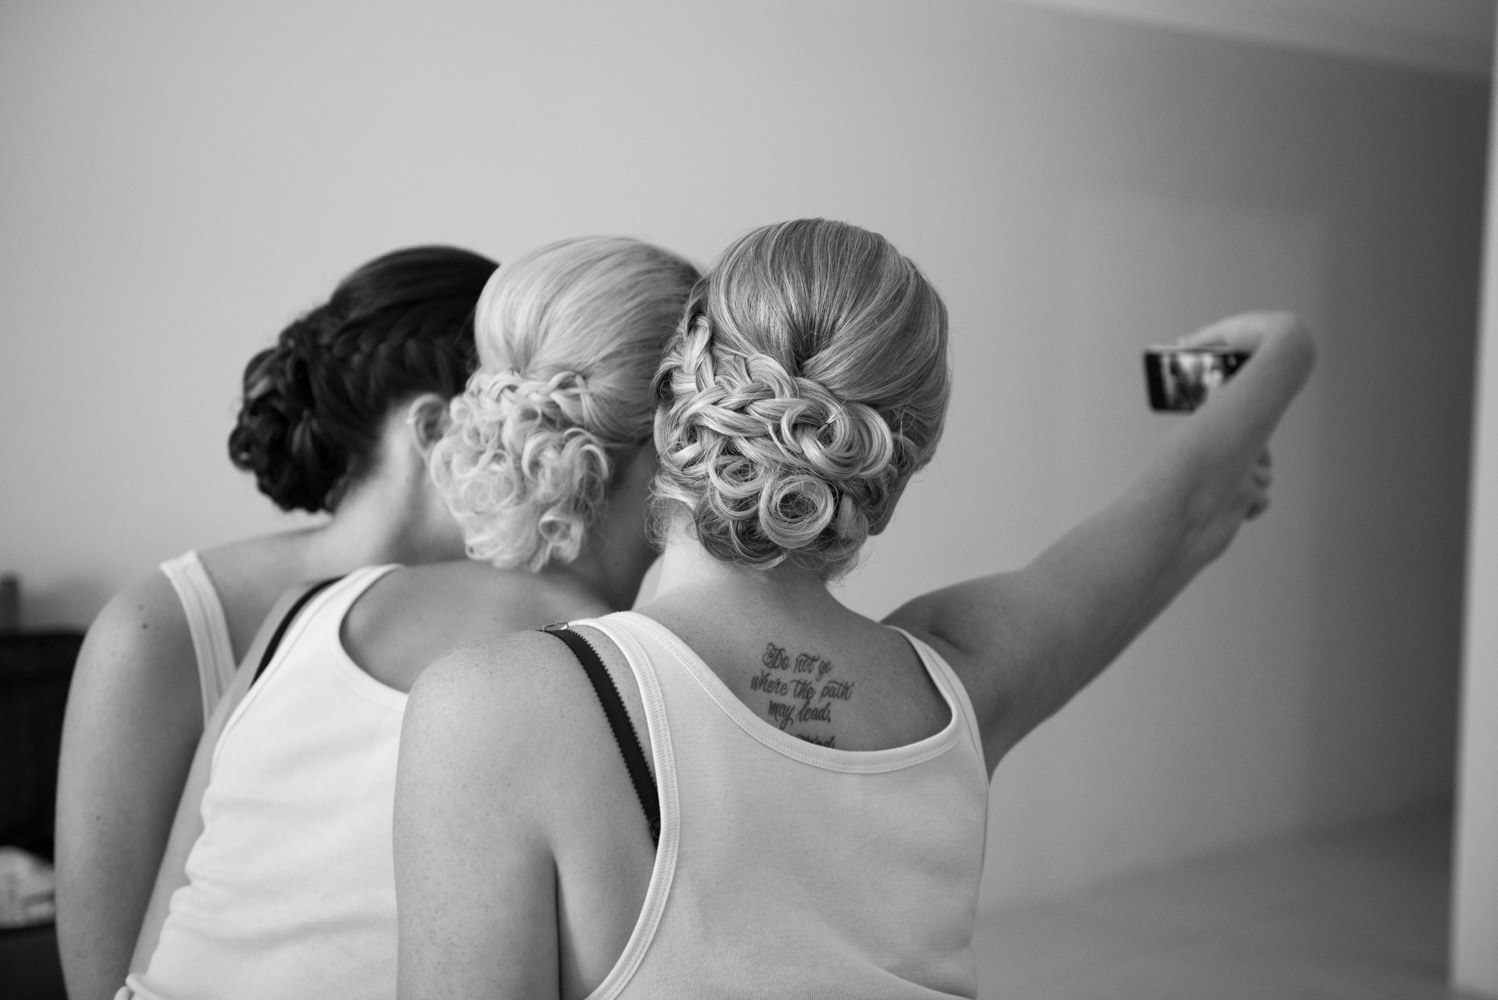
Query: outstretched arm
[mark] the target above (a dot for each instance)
(1025, 642)
(134, 715)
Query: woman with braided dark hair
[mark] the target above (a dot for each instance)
(814, 783)
(337, 418)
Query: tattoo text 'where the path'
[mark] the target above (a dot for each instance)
(801, 692)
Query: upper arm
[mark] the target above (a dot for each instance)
(187, 825)
(1026, 641)
(187, 822)
(133, 718)
(474, 864)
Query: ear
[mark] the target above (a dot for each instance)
(426, 418)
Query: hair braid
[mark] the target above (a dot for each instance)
(314, 403)
(799, 396)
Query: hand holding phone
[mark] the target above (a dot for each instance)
(1179, 379)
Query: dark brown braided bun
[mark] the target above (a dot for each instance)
(313, 404)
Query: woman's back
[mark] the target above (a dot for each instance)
(784, 862)
(290, 875)
(295, 829)
(786, 785)
(801, 661)
(328, 418)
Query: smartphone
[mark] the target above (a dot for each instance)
(1179, 379)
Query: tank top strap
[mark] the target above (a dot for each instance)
(950, 685)
(330, 599)
(206, 623)
(634, 643)
(309, 634)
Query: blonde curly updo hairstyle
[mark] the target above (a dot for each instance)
(568, 339)
(807, 383)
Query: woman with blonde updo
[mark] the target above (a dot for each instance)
(330, 422)
(545, 460)
(815, 822)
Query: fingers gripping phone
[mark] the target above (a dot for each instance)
(1179, 379)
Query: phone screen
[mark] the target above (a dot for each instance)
(1179, 379)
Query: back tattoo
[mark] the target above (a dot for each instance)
(800, 693)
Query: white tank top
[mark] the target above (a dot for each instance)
(789, 869)
(206, 623)
(291, 888)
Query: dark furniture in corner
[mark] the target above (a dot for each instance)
(35, 670)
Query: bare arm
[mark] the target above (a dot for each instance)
(133, 717)
(1025, 642)
(475, 874)
(187, 823)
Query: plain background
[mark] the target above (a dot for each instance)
(179, 179)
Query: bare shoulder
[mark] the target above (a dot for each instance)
(142, 634)
(250, 575)
(517, 679)
(135, 697)
(416, 615)
(148, 604)
(489, 713)
(998, 634)
(496, 662)
(476, 816)
(977, 624)
(414, 594)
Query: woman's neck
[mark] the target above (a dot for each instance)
(690, 571)
(369, 529)
(611, 574)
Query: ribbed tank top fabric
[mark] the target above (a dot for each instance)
(790, 869)
(208, 625)
(291, 890)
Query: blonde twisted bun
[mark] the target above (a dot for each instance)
(806, 385)
(521, 473)
(775, 463)
(568, 337)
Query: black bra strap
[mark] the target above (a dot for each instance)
(297, 605)
(624, 730)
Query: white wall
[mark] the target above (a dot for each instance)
(178, 179)
(1474, 882)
